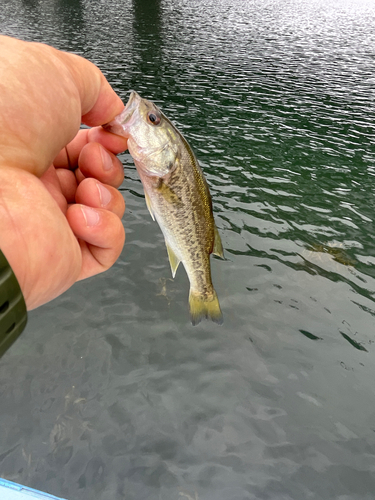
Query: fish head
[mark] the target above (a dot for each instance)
(153, 141)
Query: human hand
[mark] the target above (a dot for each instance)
(60, 214)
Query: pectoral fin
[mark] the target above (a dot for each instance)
(173, 259)
(149, 206)
(218, 246)
(167, 192)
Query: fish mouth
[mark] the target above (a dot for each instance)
(121, 124)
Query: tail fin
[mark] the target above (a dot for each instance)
(202, 306)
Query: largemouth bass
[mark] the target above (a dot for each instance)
(177, 196)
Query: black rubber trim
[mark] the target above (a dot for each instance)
(13, 313)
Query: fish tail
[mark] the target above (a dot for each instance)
(203, 306)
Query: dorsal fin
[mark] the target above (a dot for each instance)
(218, 246)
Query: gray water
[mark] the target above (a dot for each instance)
(110, 393)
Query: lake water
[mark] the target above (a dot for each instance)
(110, 393)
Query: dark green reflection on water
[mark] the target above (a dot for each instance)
(70, 13)
(148, 44)
(31, 3)
(147, 20)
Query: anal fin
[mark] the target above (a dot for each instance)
(173, 259)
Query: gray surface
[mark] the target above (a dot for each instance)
(111, 393)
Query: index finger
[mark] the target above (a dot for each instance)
(68, 157)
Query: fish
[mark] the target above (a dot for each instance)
(177, 196)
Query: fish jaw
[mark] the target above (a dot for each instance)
(123, 122)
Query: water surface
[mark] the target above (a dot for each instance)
(111, 393)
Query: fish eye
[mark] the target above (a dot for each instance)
(153, 118)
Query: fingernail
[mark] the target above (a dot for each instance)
(91, 216)
(106, 158)
(104, 194)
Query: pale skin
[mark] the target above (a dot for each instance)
(60, 211)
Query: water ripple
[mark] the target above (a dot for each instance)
(277, 99)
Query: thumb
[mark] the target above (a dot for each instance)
(45, 95)
(99, 102)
